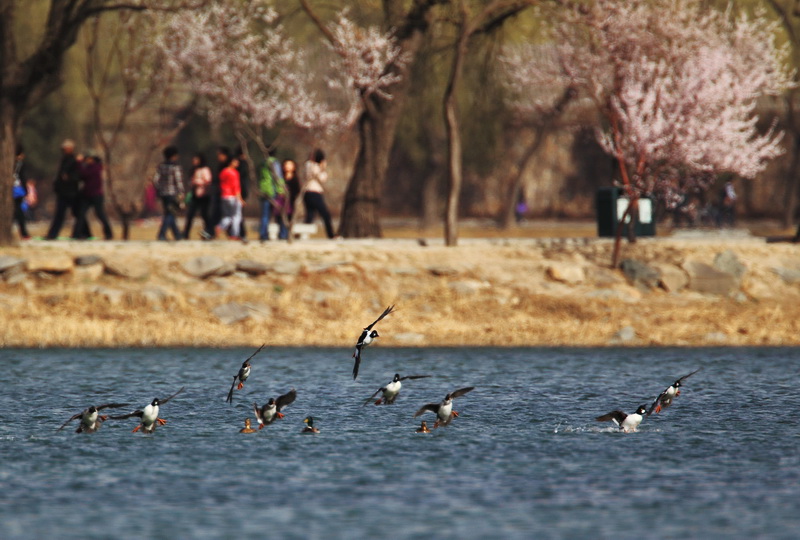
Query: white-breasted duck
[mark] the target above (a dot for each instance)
(626, 422)
(242, 375)
(444, 409)
(149, 415)
(90, 418)
(391, 390)
(367, 336)
(272, 410)
(665, 398)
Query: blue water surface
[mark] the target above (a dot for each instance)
(525, 458)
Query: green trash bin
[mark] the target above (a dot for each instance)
(611, 204)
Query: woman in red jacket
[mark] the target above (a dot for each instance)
(231, 194)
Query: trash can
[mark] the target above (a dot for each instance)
(611, 205)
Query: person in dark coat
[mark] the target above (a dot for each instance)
(20, 192)
(91, 196)
(215, 200)
(66, 187)
(244, 185)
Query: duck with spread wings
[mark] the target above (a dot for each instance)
(392, 390)
(149, 415)
(242, 375)
(90, 418)
(272, 409)
(367, 336)
(665, 398)
(444, 409)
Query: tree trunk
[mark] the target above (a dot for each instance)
(455, 173)
(8, 142)
(792, 181)
(515, 179)
(376, 130)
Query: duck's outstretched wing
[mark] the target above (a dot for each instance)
(112, 406)
(255, 353)
(433, 407)
(657, 402)
(285, 400)
(614, 416)
(357, 355)
(384, 314)
(370, 398)
(461, 391)
(129, 415)
(414, 377)
(257, 412)
(74, 417)
(687, 376)
(163, 401)
(229, 399)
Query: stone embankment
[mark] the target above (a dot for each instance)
(708, 290)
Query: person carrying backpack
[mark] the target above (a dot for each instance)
(272, 196)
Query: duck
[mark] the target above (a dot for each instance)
(90, 419)
(444, 409)
(149, 415)
(367, 336)
(423, 428)
(242, 375)
(665, 398)
(309, 421)
(272, 410)
(627, 422)
(247, 428)
(391, 390)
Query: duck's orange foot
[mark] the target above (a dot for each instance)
(161, 421)
(279, 414)
(454, 414)
(379, 401)
(436, 424)
(137, 428)
(241, 385)
(261, 427)
(657, 409)
(678, 393)
(104, 417)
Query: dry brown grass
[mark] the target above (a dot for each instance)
(507, 300)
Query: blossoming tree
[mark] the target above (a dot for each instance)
(677, 86)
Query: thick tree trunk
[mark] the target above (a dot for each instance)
(8, 142)
(376, 129)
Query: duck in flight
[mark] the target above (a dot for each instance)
(90, 418)
(391, 390)
(149, 415)
(626, 422)
(272, 410)
(242, 375)
(665, 398)
(367, 336)
(444, 409)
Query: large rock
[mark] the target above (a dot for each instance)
(729, 263)
(88, 260)
(672, 278)
(788, 275)
(571, 274)
(127, 268)
(8, 263)
(89, 272)
(706, 279)
(205, 266)
(291, 268)
(231, 312)
(640, 274)
(252, 268)
(51, 263)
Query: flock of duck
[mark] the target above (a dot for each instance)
(91, 419)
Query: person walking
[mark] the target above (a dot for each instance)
(66, 186)
(168, 182)
(292, 182)
(200, 199)
(244, 185)
(231, 199)
(272, 196)
(20, 192)
(316, 176)
(92, 196)
(215, 203)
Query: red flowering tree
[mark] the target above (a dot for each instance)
(677, 87)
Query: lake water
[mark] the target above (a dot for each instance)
(525, 459)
